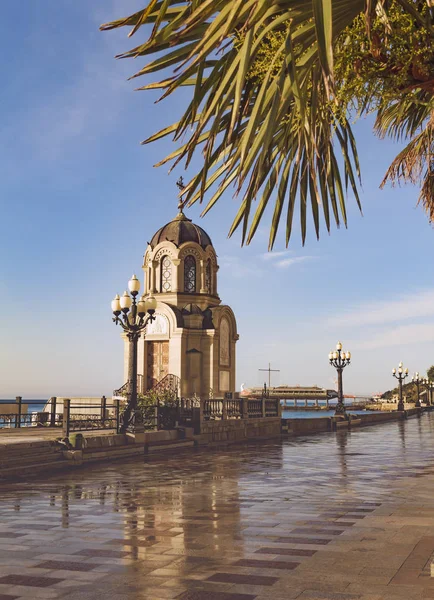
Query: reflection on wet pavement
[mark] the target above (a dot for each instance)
(333, 516)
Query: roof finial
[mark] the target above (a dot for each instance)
(181, 186)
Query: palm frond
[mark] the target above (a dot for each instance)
(275, 138)
(415, 164)
(253, 132)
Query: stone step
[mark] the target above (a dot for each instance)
(169, 445)
(29, 460)
(26, 452)
(25, 446)
(18, 471)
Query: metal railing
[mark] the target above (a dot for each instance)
(105, 417)
(109, 416)
(242, 408)
(190, 412)
(21, 418)
(123, 390)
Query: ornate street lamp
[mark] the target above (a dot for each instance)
(339, 360)
(133, 317)
(402, 374)
(417, 380)
(429, 390)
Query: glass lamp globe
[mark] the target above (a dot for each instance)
(134, 285)
(343, 355)
(151, 304)
(141, 307)
(125, 301)
(330, 355)
(394, 371)
(116, 305)
(335, 354)
(339, 346)
(348, 355)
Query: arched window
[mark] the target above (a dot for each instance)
(190, 274)
(208, 284)
(166, 274)
(225, 354)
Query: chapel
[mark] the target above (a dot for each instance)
(193, 335)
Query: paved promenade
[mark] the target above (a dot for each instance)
(328, 517)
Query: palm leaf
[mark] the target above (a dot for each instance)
(274, 137)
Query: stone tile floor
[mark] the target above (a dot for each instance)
(328, 517)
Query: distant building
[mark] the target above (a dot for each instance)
(296, 392)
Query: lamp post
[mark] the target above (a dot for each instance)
(402, 374)
(429, 390)
(133, 317)
(339, 360)
(415, 379)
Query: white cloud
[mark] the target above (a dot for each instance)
(398, 337)
(288, 262)
(410, 306)
(274, 255)
(277, 260)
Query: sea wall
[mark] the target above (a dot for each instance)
(238, 430)
(303, 426)
(306, 426)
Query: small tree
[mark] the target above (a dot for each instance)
(430, 373)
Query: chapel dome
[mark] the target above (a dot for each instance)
(179, 231)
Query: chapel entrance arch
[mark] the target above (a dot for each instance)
(157, 362)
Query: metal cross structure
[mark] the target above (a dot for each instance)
(269, 371)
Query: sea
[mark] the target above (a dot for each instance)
(311, 413)
(34, 404)
(316, 414)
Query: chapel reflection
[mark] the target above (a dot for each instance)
(183, 513)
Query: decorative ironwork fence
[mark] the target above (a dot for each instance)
(123, 390)
(152, 417)
(35, 418)
(105, 417)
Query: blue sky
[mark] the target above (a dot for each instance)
(80, 199)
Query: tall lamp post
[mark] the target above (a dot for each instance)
(429, 390)
(133, 317)
(339, 360)
(402, 374)
(416, 379)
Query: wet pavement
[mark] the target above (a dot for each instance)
(328, 517)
